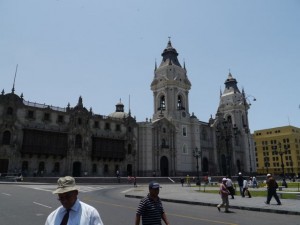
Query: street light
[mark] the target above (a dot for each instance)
(267, 164)
(198, 153)
(280, 152)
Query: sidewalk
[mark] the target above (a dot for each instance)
(189, 195)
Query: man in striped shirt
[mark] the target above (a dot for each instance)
(150, 208)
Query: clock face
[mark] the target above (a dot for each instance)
(183, 114)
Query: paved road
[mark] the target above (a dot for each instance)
(29, 204)
(189, 195)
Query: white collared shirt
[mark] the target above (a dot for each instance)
(80, 214)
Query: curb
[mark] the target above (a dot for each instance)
(278, 211)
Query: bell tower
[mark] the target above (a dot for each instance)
(170, 87)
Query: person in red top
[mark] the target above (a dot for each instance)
(224, 195)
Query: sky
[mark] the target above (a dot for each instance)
(105, 51)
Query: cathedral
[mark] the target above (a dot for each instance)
(42, 140)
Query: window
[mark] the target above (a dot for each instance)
(78, 141)
(118, 127)
(79, 121)
(6, 138)
(60, 119)
(162, 103)
(184, 131)
(30, 114)
(184, 149)
(9, 111)
(107, 126)
(96, 124)
(179, 103)
(46, 117)
(129, 149)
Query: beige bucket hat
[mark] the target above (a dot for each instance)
(65, 184)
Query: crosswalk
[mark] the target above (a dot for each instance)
(82, 188)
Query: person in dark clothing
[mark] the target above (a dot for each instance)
(272, 186)
(240, 181)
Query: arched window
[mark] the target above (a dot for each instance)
(9, 111)
(129, 149)
(78, 141)
(162, 103)
(6, 138)
(180, 103)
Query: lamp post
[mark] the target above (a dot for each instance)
(280, 152)
(267, 164)
(198, 153)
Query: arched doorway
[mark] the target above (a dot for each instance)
(164, 166)
(224, 165)
(76, 169)
(3, 165)
(204, 166)
(129, 170)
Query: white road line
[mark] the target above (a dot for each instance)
(6, 194)
(125, 191)
(42, 205)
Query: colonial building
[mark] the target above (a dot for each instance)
(45, 140)
(277, 150)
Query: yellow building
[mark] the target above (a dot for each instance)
(277, 150)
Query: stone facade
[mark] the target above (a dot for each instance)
(42, 140)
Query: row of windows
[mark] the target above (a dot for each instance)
(56, 168)
(61, 119)
(6, 138)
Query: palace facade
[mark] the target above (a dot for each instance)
(42, 140)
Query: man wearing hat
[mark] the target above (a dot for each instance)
(72, 210)
(150, 208)
(272, 186)
(224, 195)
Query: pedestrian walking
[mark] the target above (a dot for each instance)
(182, 181)
(150, 208)
(246, 188)
(272, 186)
(188, 181)
(224, 196)
(134, 181)
(72, 211)
(254, 182)
(240, 181)
(230, 187)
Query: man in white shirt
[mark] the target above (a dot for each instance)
(72, 210)
(230, 187)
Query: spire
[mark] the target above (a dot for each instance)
(169, 55)
(13, 88)
(231, 85)
(155, 67)
(80, 104)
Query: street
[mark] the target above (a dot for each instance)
(31, 204)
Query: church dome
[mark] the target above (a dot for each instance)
(119, 113)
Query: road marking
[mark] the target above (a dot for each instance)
(125, 191)
(6, 194)
(82, 188)
(42, 205)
